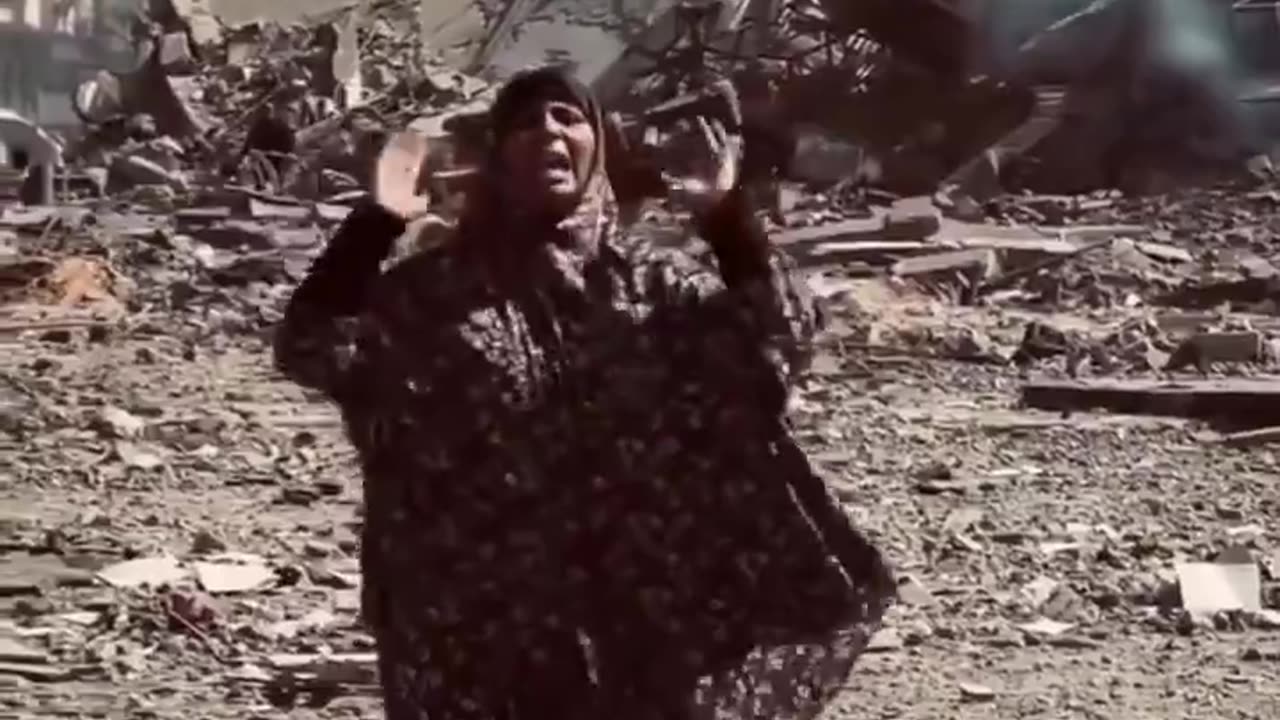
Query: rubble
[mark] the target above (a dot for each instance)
(1054, 410)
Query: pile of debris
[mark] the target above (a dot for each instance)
(180, 520)
(288, 111)
(229, 152)
(908, 97)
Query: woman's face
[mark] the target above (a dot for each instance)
(547, 155)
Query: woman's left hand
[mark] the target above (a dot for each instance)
(714, 169)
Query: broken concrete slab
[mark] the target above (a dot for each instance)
(1204, 349)
(1246, 402)
(233, 573)
(1030, 245)
(1253, 266)
(261, 209)
(1183, 323)
(1234, 292)
(13, 651)
(978, 263)
(1215, 587)
(855, 230)
(152, 571)
(974, 692)
(1164, 252)
(335, 667)
(36, 673)
(31, 574)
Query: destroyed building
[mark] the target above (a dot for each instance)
(1056, 400)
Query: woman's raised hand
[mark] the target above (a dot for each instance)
(714, 168)
(396, 174)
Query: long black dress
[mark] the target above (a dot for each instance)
(581, 496)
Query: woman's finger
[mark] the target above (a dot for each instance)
(721, 134)
(709, 135)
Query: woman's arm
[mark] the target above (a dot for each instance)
(756, 296)
(316, 344)
(738, 240)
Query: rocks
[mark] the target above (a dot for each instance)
(179, 521)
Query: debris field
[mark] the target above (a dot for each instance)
(1057, 410)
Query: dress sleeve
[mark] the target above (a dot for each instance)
(317, 343)
(757, 291)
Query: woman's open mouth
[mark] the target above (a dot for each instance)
(557, 167)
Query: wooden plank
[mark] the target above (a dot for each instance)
(1246, 402)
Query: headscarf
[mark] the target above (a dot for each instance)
(592, 222)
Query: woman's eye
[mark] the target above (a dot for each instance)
(566, 115)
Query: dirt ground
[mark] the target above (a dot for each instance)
(1037, 549)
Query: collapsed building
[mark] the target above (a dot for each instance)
(907, 95)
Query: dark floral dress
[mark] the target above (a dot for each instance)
(581, 497)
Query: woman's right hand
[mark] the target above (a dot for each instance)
(396, 174)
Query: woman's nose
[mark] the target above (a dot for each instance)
(550, 124)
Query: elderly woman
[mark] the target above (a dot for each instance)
(581, 497)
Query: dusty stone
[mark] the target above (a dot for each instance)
(153, 571)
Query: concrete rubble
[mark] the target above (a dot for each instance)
(1049, 387)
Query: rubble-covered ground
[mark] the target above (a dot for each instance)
(179, 525)
(1057, 414)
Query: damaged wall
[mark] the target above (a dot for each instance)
(572, 32)
(51, 50)
(39, 71)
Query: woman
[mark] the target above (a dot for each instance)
(580, 497)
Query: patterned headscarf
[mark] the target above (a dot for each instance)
(487, 219)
